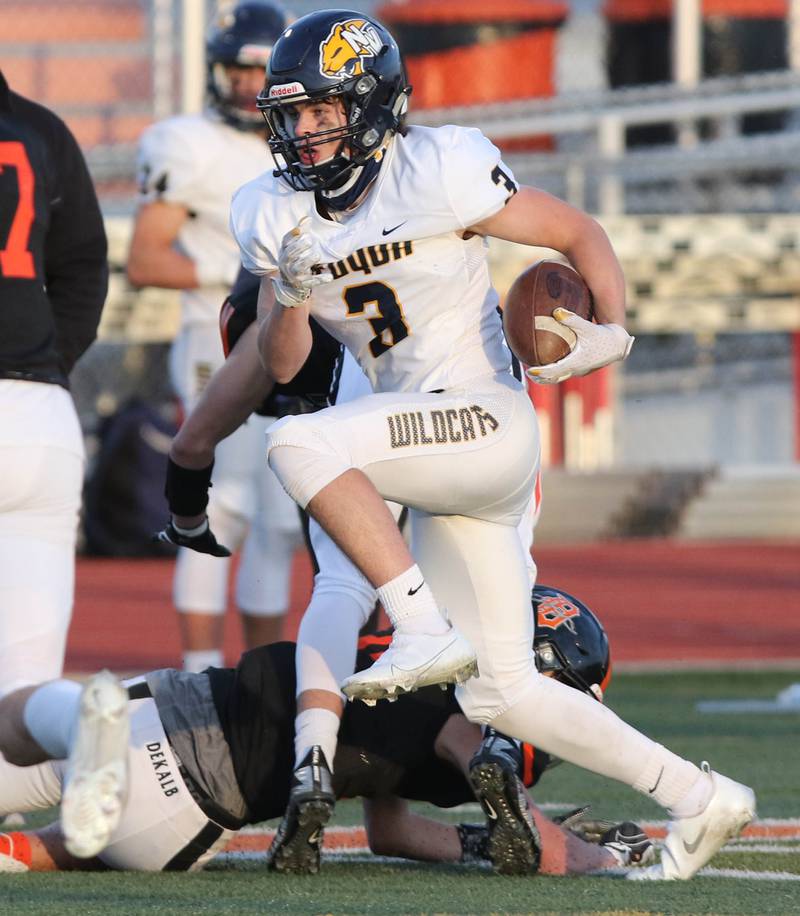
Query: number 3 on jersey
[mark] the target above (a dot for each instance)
(15, 259)
(389, 325)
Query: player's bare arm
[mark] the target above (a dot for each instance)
(153, 259)
(393, 829)
(234, 391)
(533, 217)
(284, 335)
(232, 394)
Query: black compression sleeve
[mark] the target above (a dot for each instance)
(187, 490)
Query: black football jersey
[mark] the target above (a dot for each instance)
(395, 752)
(53, 268)
(386, 749)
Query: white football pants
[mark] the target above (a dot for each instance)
(465, 463)
(41, 479)
(160, 819)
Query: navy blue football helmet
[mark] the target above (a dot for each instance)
(570, 641)
(327, 54)
(242, 35)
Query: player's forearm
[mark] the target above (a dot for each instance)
(425, 840)
(563, 853)
(165, 267)
(592, 255)
(394, 830)
(533, 217)
(235, 390)
(284, 342)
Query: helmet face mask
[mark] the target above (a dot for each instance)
(570, 641)
(325, 55)
(241, 36)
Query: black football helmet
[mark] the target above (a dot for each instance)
(570, 641)
(240, 35)
(335, 53)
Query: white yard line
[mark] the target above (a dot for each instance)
(747, 875)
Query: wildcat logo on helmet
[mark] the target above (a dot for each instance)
(556, 611)
(343, 52)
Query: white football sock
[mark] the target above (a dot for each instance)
(51, 716)
(327, 640)
(410, 605)
(197, 660)
(315, 726)
(696, 800)
(667, 778)
(573, 726)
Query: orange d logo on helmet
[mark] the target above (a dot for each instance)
(342, 53)
(555, 611)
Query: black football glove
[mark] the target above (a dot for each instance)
(202, 543)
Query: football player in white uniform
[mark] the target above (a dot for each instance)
(379, 231)
(189, 166)
(342, 597)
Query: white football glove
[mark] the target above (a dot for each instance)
(597, 345)
(300, 267)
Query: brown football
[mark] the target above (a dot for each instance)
(535, 337)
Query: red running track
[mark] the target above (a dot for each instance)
(661, 602)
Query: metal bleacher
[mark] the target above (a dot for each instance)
(745, 503)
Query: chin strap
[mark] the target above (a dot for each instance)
(362, 176)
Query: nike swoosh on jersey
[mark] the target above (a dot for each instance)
(691, 848)
(394, 228)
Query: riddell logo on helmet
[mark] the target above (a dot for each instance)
(556, 611)
(348, 43)
(278, 92)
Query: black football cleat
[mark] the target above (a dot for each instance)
(515, 846)
(298, 842)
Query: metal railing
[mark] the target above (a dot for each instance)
(593, 167)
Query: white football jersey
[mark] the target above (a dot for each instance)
(199, 161)
(411, 299)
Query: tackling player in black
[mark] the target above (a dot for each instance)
(230, 731)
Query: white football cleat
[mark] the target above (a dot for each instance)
(692, 841)
(414, 660)
(96, 781)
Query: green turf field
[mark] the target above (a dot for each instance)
(762, 750)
